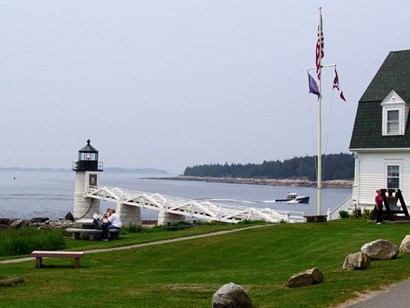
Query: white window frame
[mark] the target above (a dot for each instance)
(394, 103)
(395, 122)
(399, 177)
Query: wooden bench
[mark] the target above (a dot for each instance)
(92, 234)
(39, 255)
(316, 218)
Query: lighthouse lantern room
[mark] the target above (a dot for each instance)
(86, 174)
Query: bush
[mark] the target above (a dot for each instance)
(23, 241)
(344, 214)
(140, 229)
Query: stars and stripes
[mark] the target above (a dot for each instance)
(320, 44)
(313, 86)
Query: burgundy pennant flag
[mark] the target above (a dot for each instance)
(336, 81)
(337, 86)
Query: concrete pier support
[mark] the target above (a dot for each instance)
(83, 207)
(166, 218)
(130, 215)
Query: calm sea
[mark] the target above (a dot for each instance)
(28, 194)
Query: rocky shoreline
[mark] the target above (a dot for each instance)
(43, 223)
(270, 182)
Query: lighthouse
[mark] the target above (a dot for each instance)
(86, 168)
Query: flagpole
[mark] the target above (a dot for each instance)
(317, 89)
(319, 143)
(319, 150)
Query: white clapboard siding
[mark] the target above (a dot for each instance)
(371, 174)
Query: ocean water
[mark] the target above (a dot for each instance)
(28, 194)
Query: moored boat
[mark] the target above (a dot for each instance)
(294, 198)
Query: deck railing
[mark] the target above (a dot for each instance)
(346, 205)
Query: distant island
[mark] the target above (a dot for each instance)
(335, 167)
(298, 182)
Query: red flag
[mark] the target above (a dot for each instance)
(336, 81)
(336, 85)
(320, 44)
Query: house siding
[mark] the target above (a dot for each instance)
(371, 174)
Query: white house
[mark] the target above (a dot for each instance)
(381, 135)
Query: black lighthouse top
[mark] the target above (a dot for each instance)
(87, 159)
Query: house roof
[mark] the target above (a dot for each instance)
(394, 74)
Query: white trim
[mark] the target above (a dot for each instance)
(393, 162)
(379, 150)
(398, 130)
(393, 102)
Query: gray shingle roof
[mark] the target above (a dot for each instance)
(89, 148)
(394, 74)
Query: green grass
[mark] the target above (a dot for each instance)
(14, 242)
(187, 273)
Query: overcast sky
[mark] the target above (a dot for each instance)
(169, 84)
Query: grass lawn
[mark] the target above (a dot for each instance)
(188, 273)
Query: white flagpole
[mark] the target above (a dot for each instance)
(319, 143)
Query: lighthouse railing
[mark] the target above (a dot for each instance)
(193, 208)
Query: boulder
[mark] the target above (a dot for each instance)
(69, 216)
(306, 278)
(231, 295)
(405, 244)
(356, 261)
(17, 224)
(380, 250)
(10, 281)
(4, 221)
(38, 220)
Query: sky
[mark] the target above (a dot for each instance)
(170, 84)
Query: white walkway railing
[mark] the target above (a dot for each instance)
(346, 205)
(193, 208)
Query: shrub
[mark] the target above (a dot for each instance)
(140, 229)
(366, 213)
(344, 214)
(23, 241)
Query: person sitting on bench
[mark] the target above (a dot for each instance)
(114, 222)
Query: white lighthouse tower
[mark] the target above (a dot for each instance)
(86, 174)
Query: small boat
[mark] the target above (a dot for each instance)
(294, 198)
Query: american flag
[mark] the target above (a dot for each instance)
(319, 47)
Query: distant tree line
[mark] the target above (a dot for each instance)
(334, 167)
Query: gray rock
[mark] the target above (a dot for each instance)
(4, 221)
(69, 216)
(38, 220)
(231, 295)
(405, 245)
(356, 261)
(17, 224)
(380, 250)
(306, 278)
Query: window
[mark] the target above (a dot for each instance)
(393, 176)
(392, 122)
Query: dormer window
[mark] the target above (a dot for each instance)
(392, 122)
(395, 114)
